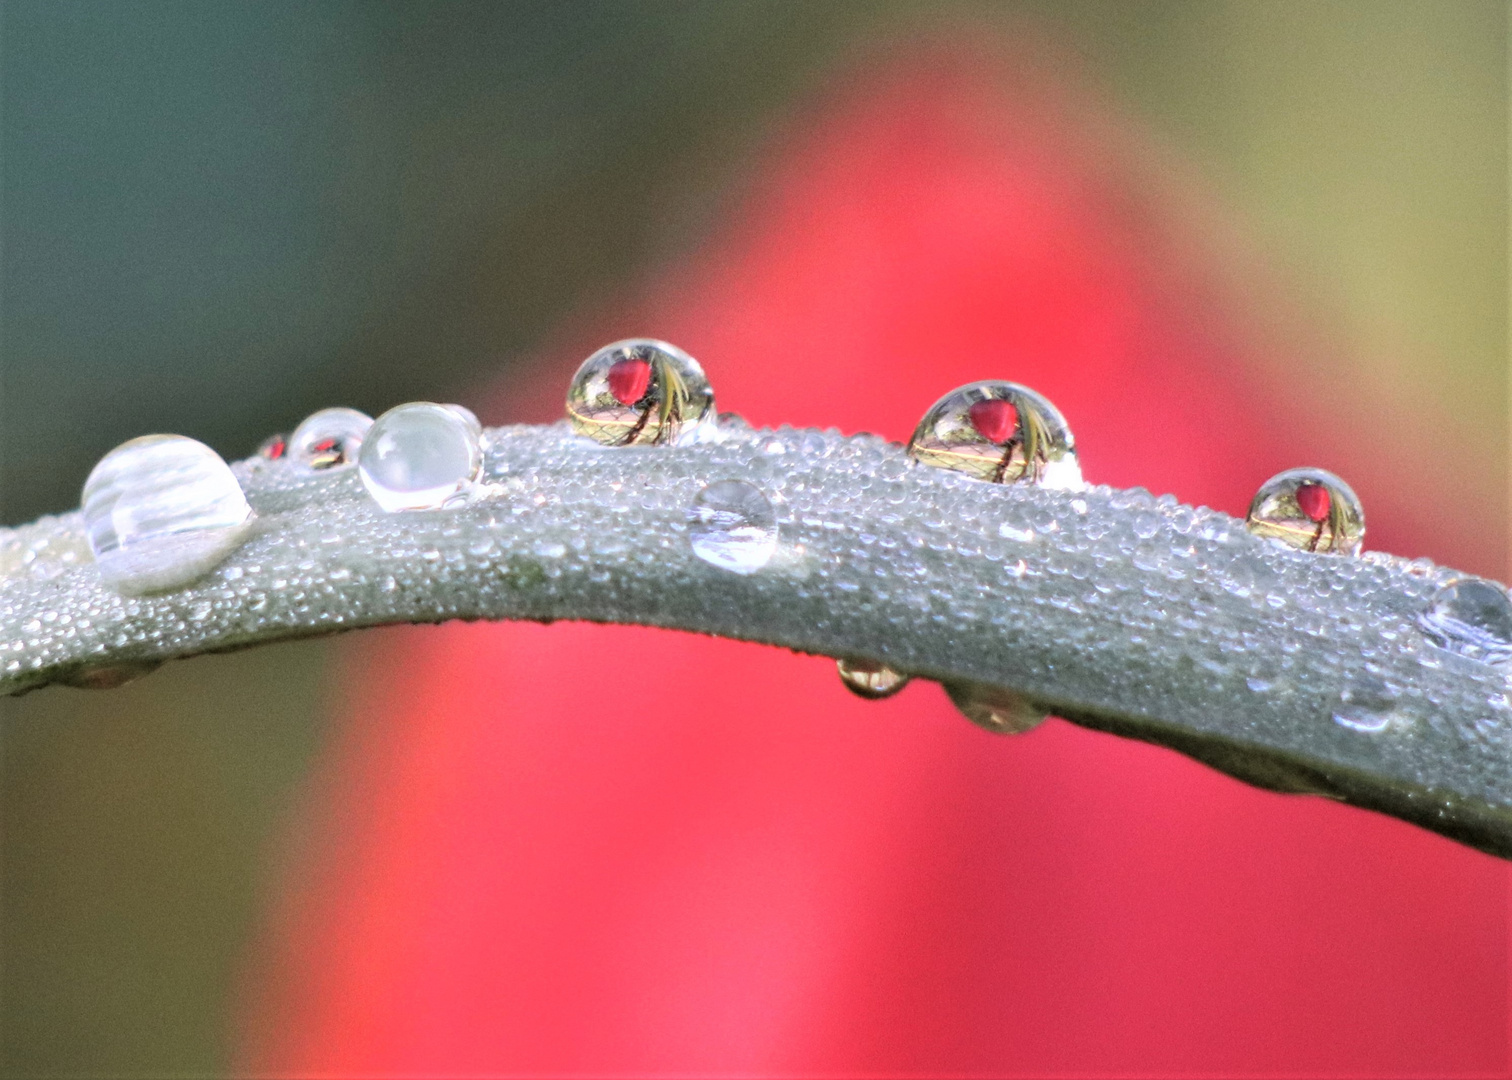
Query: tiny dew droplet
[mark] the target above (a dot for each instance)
(639, 392)
(994, 708)
(731, 525)
(1366, 705)
(329, 439)
(871, 679)
(160, 511)
(1309, 509)
(1000, 432)
(418, 456)
(1471, 617)
(273, 447)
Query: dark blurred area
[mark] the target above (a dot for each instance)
(215, 218)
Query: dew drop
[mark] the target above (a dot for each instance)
(273, 447)
(160, 511)
(870, 679)
(640, 392)
(1367, 705)
(108, 676)
(1001, 432)
(329, 439)
(418, 456)
(1471, 617)
(731, 525)
(1309, 509)
(994, 708)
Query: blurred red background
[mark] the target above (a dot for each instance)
(602, 850)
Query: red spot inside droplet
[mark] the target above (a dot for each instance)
(1314, 501)
(628, 380)
(274, 449)
(995, 419)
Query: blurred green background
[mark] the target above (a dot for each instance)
(216, 217)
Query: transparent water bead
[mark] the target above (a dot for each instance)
(1471, 617)
(160, 511)
(419, 456)
(994, 708)
(329, 439)
(273, 447)
(1367, 705)
(639, 392)
(870, 678)
(1310, 509)
(1000, 432)
(732, 525)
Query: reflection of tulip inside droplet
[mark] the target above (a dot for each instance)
(640, 392)
(628, 380)
(1314, 501)
(995, 420)
(999, 432)
(160, 511)
(1310, 509)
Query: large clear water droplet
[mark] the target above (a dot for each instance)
(329, 439)
(640, 392)
(1367, 705)
(994, 708)
(1000, 432)
(1471, 617)
(419, 456)
(871, 679)
(160, 511)
(731, 525)
(1310, 509)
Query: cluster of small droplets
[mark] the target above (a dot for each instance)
(1309, 509)
(1000, 432)
(870, 679)
(640, 392)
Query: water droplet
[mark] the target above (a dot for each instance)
(108, 676)
(1471, 617)
(639, 392)
(731, 525)
(161, 510)
(418, 456)
(1310, 509)
(273, 447)
(1001, 432)
(871, 679)
(1001, 711)
(469, 416)
(329, 439)
(1367, 705)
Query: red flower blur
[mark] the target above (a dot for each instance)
(600, 850)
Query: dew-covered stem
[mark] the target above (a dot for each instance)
(1297, 671)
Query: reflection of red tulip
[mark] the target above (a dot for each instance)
(581, 849)
(628, 379)
(994, 419)
(1313, 500)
